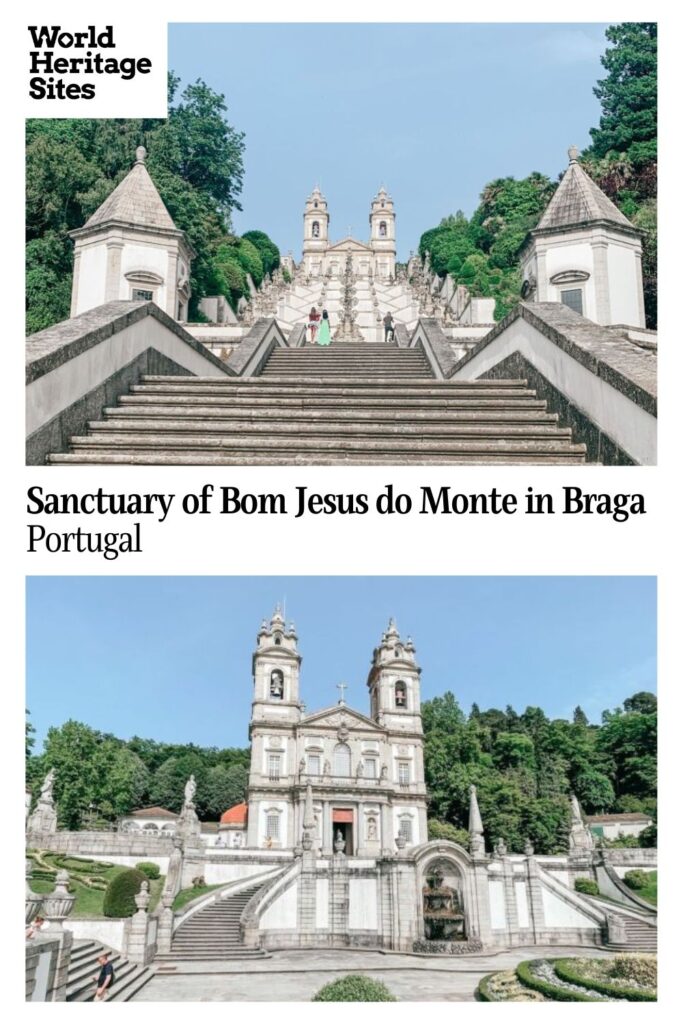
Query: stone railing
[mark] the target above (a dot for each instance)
(599, 383)
(48, 950)
(251, 355)
(100, 844)
(78, 367)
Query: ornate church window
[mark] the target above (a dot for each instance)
(404, 773)
(314, 764)
(274, 763)
(405, 828)
(370, 767)
(273, 825)
(342, 759)
(142, 294)
(315, 230)
(383, 228)
(277, 685)
(401, 695)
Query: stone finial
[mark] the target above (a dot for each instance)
(140, 155)
(143, 897)
(476, 828)
(573, 153)
(528, 848)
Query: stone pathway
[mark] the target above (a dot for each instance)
(297, 975)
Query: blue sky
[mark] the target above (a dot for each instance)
(433, 111)
(169, 658)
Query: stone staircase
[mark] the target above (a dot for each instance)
(641, 937)
(83, 967)
(363, 361)
(356, 404)
(214, 933)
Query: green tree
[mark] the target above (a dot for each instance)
(267, 249)
(71, 751)
(30, 734)
(224, 787)
(580, 717)
(167, 786)
(628, 94)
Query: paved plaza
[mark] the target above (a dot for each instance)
(297, 975)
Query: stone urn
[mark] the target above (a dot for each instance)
(400, 842)
(58, 904)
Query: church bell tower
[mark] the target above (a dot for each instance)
(383, 234)
(316, 232)
(394, 684)
(276, 665)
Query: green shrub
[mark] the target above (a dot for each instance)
(636, 967)
(587, 886)
(444, 830)
(148, 869)
(528, 978)
(636, 879)
(570, 971)
(119, 898)
(354, 988)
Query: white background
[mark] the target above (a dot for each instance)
(368, 544)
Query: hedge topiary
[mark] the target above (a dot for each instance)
(636, 879)
(568, 971)
(587, 886)
(149, 869)
(354, 988)
(563, 995)
(119, 898)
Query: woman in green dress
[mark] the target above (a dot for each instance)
(324, 336)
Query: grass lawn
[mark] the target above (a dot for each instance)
(89, 901)
(649, 893)
(186, 896)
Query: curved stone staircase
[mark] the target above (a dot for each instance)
(363, 404)
(641, 935)
(83, 967)
(214, 933)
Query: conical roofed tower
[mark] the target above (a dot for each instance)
(130, 248)
(585, 254)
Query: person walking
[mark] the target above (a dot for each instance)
(104, 980)
(388, 327)
(313, 322)
(324, 335)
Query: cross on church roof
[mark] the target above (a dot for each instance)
(341, 687)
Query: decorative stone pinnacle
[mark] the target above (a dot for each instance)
(140, 155)
(573, 154)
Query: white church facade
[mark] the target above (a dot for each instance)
(366, 772)
(374, 258)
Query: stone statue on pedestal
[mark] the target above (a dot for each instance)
(44, 817)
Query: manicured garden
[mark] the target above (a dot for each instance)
(643, 884)
(90, 880)
(628, 977)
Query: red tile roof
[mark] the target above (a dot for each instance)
(152, 812)
(236, 815)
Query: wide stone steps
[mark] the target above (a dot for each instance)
(367, 360)
(640, 936)
(343, 420)
(83, 967)
(214, 933)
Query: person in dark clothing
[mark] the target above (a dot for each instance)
(388, 327)
(105, 979)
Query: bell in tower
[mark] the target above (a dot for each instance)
(394, 683)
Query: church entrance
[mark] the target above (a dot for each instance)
(342, 821)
